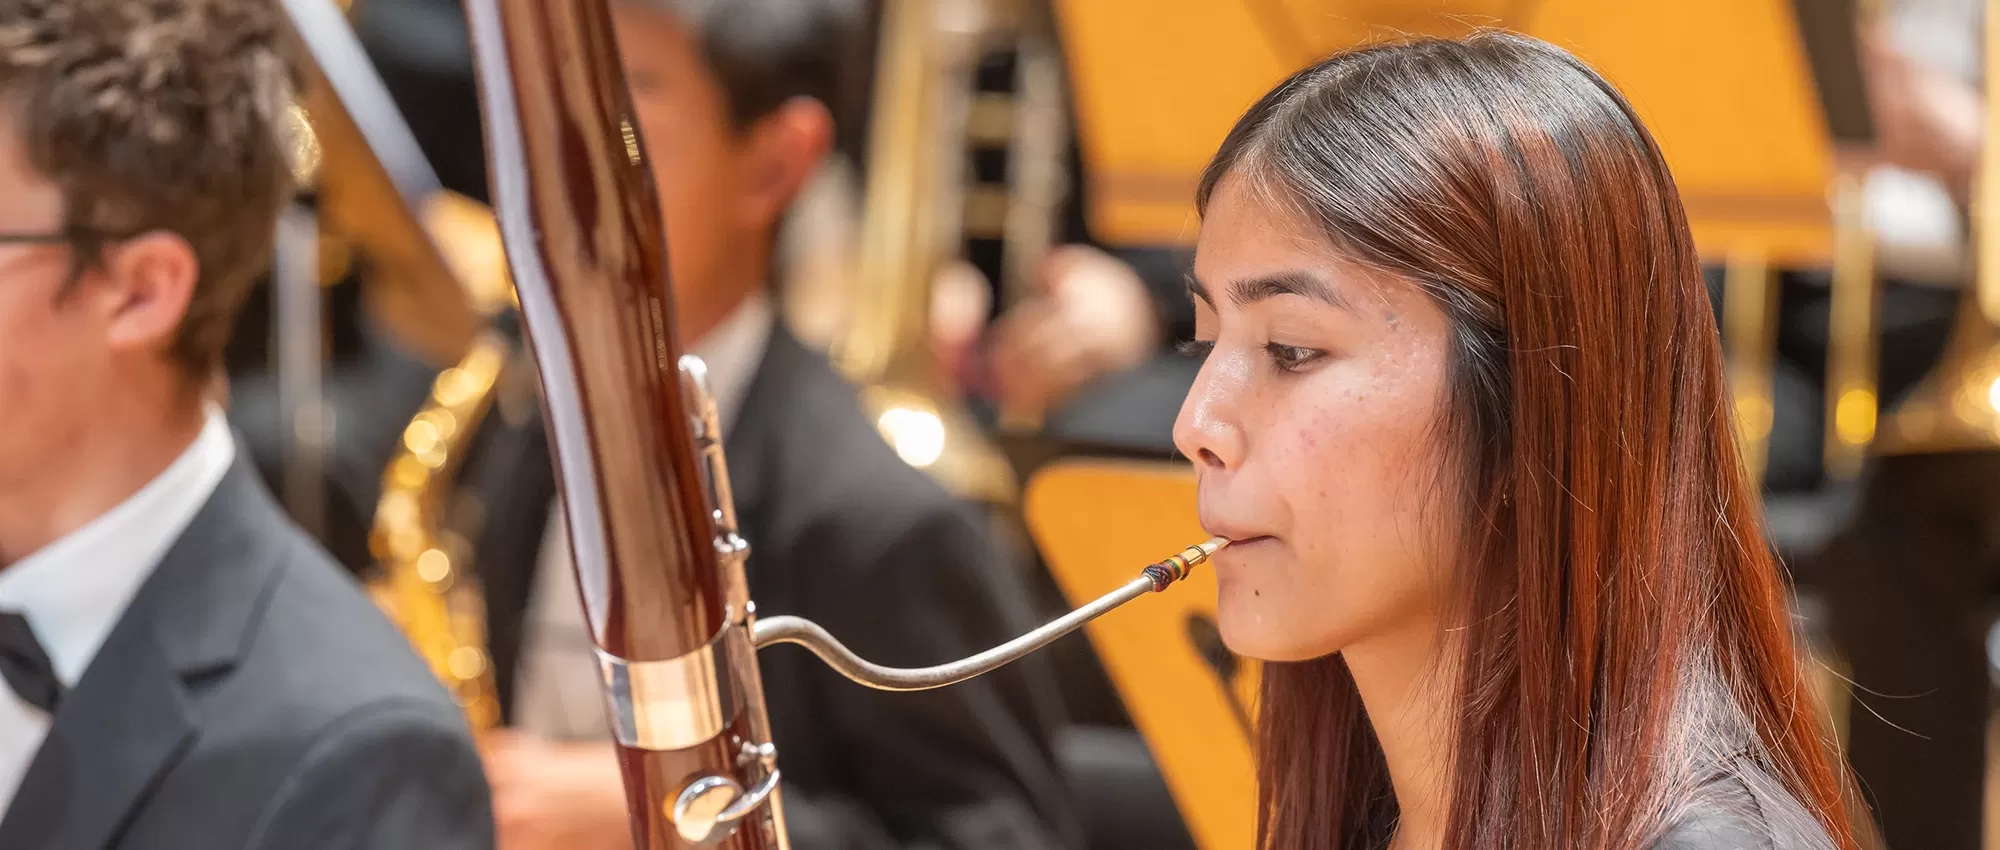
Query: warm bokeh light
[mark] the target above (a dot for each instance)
(917, 435)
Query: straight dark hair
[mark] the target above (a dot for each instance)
(766, 52)
(1623, 621)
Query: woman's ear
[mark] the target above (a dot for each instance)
(787, 146)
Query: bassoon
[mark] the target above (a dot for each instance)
(638, 447)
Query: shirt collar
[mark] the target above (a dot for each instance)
(74, 590)
(732, 351)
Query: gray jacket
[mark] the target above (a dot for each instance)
(252, 697)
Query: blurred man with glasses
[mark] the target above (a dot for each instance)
(181, 666)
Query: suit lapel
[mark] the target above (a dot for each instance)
(131, 716)
(122, 727)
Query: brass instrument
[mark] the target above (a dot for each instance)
(1038, 171)
(1855, 294)
(427, 585)
(1750, 343)
(439, 282)
(427, 588)
(1826, 31)
(1957, 407)
(915, 204)
(298, 355)
(1038, 178)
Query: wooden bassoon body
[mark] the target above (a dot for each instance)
(669, 612)
(638, 448)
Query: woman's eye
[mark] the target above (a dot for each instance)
(1291, 358)
(1195, 348)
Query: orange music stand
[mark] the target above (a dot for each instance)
(1094, 521)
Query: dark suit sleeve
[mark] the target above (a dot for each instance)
(387, 777)
(967, 766)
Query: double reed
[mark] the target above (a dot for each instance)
(637, 447)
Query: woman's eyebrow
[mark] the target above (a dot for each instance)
(1252, 290)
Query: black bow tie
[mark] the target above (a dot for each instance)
(25, 666)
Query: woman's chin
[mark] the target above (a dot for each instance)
(1252, 630)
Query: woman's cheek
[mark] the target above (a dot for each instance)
(1358, 470)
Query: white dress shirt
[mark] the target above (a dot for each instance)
(557, 695)
(74, 590)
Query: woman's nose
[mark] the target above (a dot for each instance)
(1207, 430)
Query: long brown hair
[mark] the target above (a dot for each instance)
(1622, 619)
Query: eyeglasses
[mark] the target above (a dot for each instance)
(32, 238)
(86, 244)
(69, 235)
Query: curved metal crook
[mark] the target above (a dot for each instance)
(786, 629)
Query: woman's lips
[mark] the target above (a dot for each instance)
(1232, 559)
(1241, 542)
(1235, 534)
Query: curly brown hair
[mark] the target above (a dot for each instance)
(157, 115)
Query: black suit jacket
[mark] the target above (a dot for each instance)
(845, 533)
(252, 697)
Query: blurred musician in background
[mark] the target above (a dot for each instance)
(182, 666)
(1911, 579)
(1092, 314)
(737, 103)
(1090, 345)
